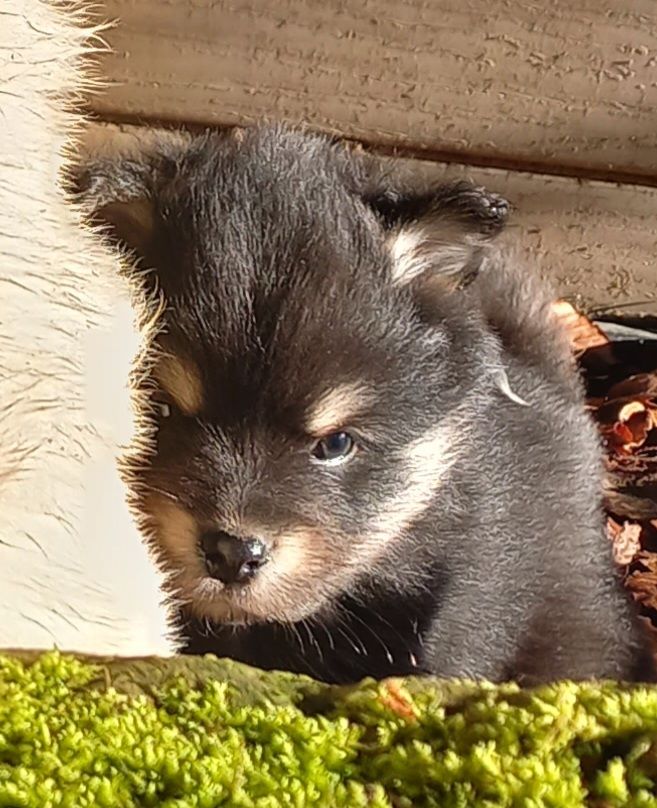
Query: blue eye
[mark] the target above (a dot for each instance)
(334, 448)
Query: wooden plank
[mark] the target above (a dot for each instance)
(595, 241)
(559, 87)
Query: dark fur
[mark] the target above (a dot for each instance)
(270, 252)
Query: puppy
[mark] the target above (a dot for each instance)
(365, 465)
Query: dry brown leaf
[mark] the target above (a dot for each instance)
(643, 385)
(630, 409)
(632, 433)
(581, 332)
(624, 436)
(619, 409)
(642, 582)
(630, 485)
(648, 561)
(626, 540)
(643, 587)
(626, 422)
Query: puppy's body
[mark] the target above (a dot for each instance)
(459, 530)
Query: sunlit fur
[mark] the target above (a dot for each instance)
(74, 570)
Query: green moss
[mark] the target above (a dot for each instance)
(204, 732)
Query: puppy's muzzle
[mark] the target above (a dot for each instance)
(232, 560)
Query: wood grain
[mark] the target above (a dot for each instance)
(594, 241)
(557, 87)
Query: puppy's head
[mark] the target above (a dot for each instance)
(308, 401)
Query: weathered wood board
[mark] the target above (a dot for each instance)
(557, 87)
(594, 240)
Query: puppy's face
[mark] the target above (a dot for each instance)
(306, 410)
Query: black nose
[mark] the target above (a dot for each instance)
(232, 560)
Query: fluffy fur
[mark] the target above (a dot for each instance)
(74, 570)
(460, 532)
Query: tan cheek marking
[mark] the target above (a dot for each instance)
(174, 531)
(425, 464)
(336, 408)
(291, 552)
(301, 578)
(181, 379)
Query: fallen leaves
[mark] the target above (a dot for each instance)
(621, 382)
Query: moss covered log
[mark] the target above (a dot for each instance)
(206, 732)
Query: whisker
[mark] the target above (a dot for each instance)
(401, 637)
(313, 640)
(342, 623)
(310, 668)
(298, 637)
(164, 493)
(320, 624)
(386, 650)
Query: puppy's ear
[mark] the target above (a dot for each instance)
(119, 195)
(439, 233)
(130, 223)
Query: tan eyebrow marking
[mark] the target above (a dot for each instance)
(181, 379)
(336, 407)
